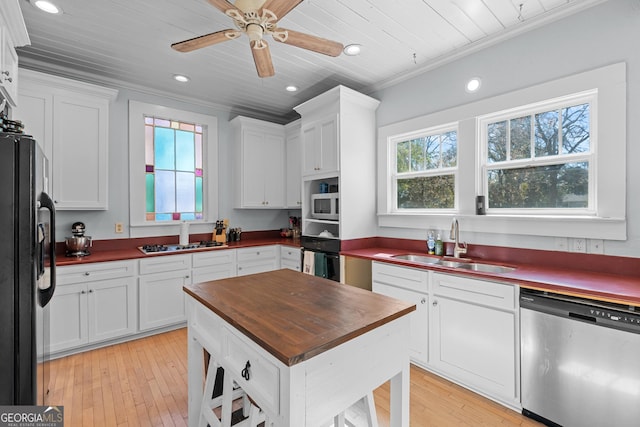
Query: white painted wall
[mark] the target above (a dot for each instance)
(596, 37)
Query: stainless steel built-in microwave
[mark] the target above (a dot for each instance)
(325, 206)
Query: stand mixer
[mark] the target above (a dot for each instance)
(78, 244)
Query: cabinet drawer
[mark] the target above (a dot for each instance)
(257, 253)
(491, 294)
(214, 257)
(94, 271)
(161, 263)
(263, 384)
(404, 277)
(291, 254)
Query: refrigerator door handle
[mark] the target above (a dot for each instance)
(44, 201)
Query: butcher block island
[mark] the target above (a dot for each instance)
(300, 349)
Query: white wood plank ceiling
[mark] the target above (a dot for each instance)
(126, 43)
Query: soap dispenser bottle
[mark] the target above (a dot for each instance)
(439, 249)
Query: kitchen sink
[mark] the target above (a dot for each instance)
(473, 266)
(422, 259)
(486, 268)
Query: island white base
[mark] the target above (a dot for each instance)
(312, 392)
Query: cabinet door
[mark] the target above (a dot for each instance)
(80, 141)
(68, 317)
(273, 167)
(257, 260)
(112, 308)
(290, 258)
(162, 301)
(320, 147)
(329, 160)
(419, 319)
(475, 345)
(262, 170)
(310, 150)
(9, 68)
(294, 172)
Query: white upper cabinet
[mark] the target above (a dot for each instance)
(70, 120)
(293, 167)
(13, 32)
(260, 157)
(320, 146)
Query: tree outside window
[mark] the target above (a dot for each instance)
(426, 168)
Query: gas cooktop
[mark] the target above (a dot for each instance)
(161, 249)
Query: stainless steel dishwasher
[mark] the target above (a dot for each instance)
(580, 361)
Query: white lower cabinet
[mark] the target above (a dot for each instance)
(214, 265)
(258, 259)
(463, 329)
(474, 336)
(290, 258)
(410, 285)
(162, 301)
(93, 303)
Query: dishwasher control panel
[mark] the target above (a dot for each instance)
(616, 316)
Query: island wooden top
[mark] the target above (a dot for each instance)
(295, 316)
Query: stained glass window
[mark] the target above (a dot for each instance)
(173, 170)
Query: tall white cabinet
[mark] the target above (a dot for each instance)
(338, 148)
(70, 120)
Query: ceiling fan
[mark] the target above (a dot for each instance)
(257, 18)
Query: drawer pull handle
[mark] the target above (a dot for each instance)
(86, 273)
(245, 372)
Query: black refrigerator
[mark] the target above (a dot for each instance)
(27, 271)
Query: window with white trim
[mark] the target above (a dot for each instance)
(186, 149)
(540, 159)
(425, 170)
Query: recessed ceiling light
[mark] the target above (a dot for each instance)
(352, 49)
(473, 85)
(46, 6)
(181, 78)
(292, 88)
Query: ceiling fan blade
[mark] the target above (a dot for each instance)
(206, 40)
(221, 5)
(262, 58)
(309, 42)
(280, 7)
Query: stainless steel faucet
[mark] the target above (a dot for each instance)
(455, 236)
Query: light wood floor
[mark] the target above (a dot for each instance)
(144, 383)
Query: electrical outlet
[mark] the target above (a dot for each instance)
(562, 244)
(596, 246)
(119, 227)
(579, 245)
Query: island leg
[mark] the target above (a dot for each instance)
(195, 376)
(399, 398)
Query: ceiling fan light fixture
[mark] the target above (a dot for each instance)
(473, 84)
(352, 49)
(46, 6)
(291, 88)
(181, 78)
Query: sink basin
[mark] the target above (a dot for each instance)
(474, 266)
(422, 259)
(486, 268)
